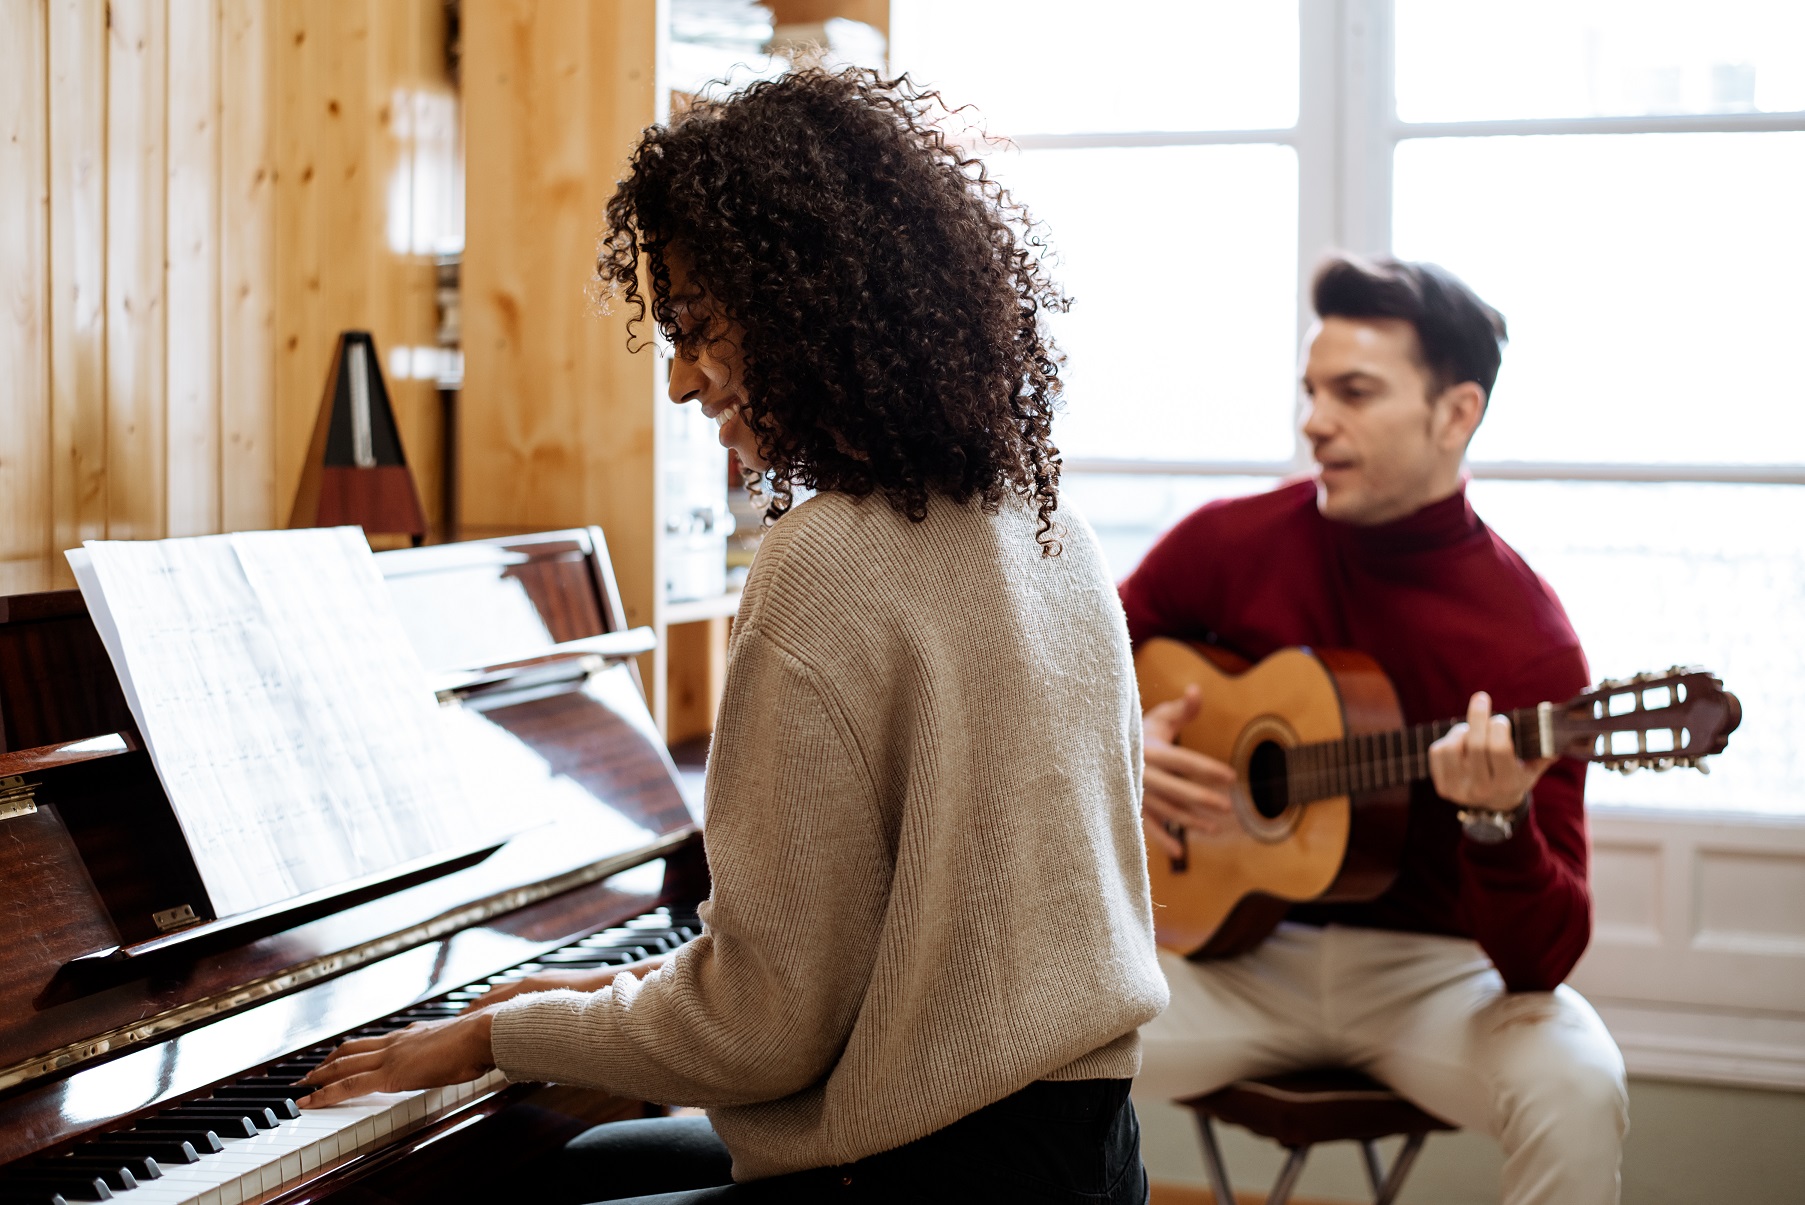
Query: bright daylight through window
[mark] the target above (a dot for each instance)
(1620, 177)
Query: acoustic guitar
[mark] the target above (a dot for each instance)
(1323, 765)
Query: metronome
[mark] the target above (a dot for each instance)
(355, 471)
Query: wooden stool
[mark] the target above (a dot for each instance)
(1302, 1108)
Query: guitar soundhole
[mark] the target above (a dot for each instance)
(1266, 779)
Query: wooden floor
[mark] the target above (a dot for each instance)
(1184, 1194)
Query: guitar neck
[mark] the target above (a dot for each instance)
(1376, 760)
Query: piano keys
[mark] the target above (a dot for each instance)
(159, 1067)
(247, 1136)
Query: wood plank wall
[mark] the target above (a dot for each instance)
(196, 196)
(557, 416)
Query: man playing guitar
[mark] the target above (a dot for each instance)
(1448, 986)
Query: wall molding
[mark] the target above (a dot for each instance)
(1697, 962)
(1708, 1046)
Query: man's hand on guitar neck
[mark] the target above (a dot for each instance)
(1476, 765)
(1180, 787)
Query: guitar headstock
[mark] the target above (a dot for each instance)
(1655, 721)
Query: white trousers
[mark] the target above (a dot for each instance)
(1427, 1015)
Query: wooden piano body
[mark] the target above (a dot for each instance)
(106, 1020)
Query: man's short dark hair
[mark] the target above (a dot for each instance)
(1462, 338)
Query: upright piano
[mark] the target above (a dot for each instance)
(148, 1048)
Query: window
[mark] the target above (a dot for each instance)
(1620, 177)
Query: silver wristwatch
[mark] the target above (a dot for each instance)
(1486, 827)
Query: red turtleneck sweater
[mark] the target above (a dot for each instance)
(1446, 608)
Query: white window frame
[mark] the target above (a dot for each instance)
(1694, 985)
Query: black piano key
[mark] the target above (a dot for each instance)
(632, 951)
(31, 1197)
(204, 1140)
(565, 958)
(277, 1101)
(273, 1087)
(162, 1148)
(262, 1117)
(192, 1128)
(76, 1186)
(120, 1172)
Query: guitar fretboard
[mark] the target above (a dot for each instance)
(1376, 760)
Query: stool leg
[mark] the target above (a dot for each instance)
(1294, 1167)
(1212, 1161)
(1400, 1167)
(1375, 1170)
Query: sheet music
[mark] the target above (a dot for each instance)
(284, 707)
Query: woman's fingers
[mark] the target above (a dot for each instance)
(498, 994)
(342, 1090)
(423, 1055)
(340, 1064)
(360, 1045)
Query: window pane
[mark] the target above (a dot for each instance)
(1065, 66)
(1597, 58)
(1130, 511)
(1658, 575)
(1651, 283)
(1182, 267)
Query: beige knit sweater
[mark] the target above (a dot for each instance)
(923, 824)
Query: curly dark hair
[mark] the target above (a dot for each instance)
(888, 293)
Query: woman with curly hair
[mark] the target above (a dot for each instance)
(928, 949)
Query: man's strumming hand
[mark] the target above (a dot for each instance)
(1476, 765)
(1180, 786)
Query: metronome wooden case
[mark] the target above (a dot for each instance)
(356, 472)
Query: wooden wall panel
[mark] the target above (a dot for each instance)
(137, 160)
(556, 416)
(351, 73)
(183, 185)
(25, 517)
(192, 282)
(247, 345)
(416, 108)
(78, 414)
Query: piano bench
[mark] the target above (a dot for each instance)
(1299, 1109)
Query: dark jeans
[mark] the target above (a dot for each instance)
(1057, 1142)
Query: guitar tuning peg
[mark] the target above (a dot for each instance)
(1663, 764)
(1628, 765)
(1699, 764)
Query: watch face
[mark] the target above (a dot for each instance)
(1486, 828)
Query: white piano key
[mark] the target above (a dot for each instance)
(280, 1158)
